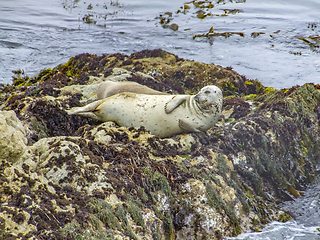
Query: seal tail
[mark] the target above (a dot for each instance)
(86, 111)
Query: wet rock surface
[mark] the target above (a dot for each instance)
(69, 177)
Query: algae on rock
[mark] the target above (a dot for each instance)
(12, 139)
(65, 176)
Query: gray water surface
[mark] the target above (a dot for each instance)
(306, 226)
(35, 35)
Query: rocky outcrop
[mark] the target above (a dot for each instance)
(67, 177)
(12, 139)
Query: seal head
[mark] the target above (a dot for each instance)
(209, 99)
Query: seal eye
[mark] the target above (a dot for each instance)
(207, 92)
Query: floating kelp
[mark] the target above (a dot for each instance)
(95, 14)
(312, 41)
(204, 7)
(203, 4)
(313, 25)
(172, 26)
(88, 19)
(212, 33)
(256, 34)
(232, 11)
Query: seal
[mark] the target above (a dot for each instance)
(162, 115)
(110, 88)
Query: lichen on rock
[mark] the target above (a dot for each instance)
(12, 139)
(68, 177)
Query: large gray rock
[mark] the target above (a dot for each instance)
(12, 137)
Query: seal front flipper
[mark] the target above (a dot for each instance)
(86, 111)
(187, 127)
(175, 102)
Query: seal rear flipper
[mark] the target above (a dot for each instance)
(175, 102)
(187, 127)
(88, 114)
(86, 111)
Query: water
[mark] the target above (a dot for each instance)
(35, 35)
(282, 231)
(306, 225)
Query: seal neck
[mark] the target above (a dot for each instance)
(195, 106)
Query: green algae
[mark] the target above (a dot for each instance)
(108, 217)
(182, 167)
(222, 206)
(304, 97)
(156, 233)
(235, 184)
(75, 230)
(269, 89)
(143, 194)
(44, 75)
(160, 182)
(71, 229)
(167, 221)
(121, 214)
(135, 212)
(105, 213)
(19, 78)
(214, 199)
(114, 218)
(39, 127)
(222, 165)
(229, 89)
(283, 217)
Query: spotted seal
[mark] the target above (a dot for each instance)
(162, 115)
(109, 88)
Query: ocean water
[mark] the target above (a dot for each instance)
(274, 41)
(282, 231)
(306, 223)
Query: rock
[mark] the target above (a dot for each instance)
(12, 138)
(67, 177)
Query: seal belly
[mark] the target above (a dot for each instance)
(147, 111)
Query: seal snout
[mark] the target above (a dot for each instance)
(197, 98)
